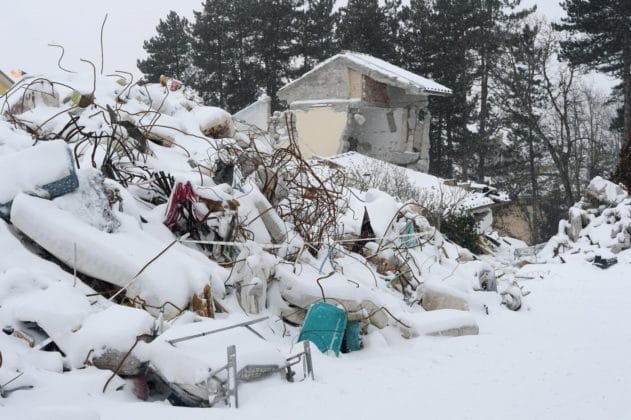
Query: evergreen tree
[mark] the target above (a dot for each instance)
(169, 51)
(222, 52)
(521, 97)
(414, 45)
(395, 16)
(495, 19)
(450, 61)
(362, 27)
(275, 43)
(241, 84)
(212, 50)
(602, 40)
(318, 26)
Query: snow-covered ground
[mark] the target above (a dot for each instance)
(567, 357)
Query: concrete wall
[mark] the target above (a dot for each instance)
(330, 82)
(383, 130)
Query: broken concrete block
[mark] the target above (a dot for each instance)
(250, 276)
(578, 219)
(214, 122)
(110, 359)
(39, 94)
(436, 296)
(604, 192)
(118, 257)
(403, 158)
(486, 277)
(442, 323)
(254, 119)
(293, 316)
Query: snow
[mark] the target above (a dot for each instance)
(53, 160)
(434, 190)
(117, 257)
(565, 358)
(544, 360)
(382, 71)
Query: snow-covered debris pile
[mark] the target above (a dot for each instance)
(134, 216)
(597, 228)
(438, 197)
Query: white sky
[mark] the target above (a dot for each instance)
(27, 26)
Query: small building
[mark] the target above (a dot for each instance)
(356, 102)
(5, 83)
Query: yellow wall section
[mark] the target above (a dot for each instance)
(3, 87)
(320, 131)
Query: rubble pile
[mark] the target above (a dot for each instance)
(142, 233)
(598, 227)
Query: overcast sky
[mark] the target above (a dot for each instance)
(27, 26)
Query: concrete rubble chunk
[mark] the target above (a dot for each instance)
(442, 297)
(442, 323)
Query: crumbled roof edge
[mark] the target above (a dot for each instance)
(386, 72)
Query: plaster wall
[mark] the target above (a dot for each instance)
(4, 86)
(320, 130)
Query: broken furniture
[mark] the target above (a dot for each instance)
(327, 327)
(202, 377)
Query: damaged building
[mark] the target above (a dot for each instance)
(356, 102)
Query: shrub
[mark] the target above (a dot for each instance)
(462, 229)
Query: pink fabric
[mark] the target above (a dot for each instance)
(182, 193)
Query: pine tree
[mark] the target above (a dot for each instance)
(241, 85)
(275, 43)
(395, 31)
(362, 27)
(222, 51)
(318, 26)
(169, 51)
(449, 60)
(521, 97)
(211, 50)
(494, 19)
(602, 40)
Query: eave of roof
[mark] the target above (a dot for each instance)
(383, 72)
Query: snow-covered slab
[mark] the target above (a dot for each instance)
(445, 322)
(437, 296)
(36, 169)
(114, 328)
(118, 257)
(605, 191)
(214, 122)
